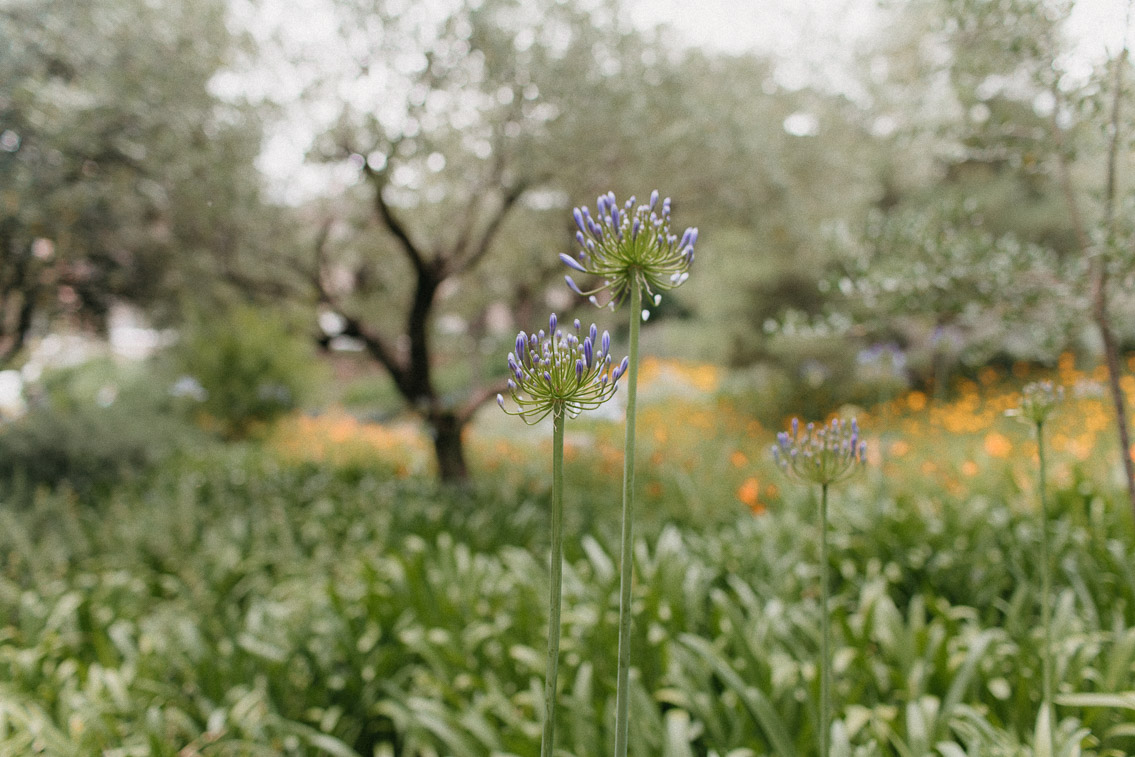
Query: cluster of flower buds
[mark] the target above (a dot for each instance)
(630, 246)
(1038, 401)
(824, 454)
(554, 370)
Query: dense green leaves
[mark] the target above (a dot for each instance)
(248, 606)
(116, 155)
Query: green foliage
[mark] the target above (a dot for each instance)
(113, 159)
(93, 427)
(247, 606)
(251, 369)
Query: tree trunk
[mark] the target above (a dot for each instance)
(1114, 375)
(449, 449)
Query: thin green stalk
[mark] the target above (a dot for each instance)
(1046, 593)
(555, 593)
(825, 627)
(626, 559)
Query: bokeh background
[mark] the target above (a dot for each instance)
(261, 264)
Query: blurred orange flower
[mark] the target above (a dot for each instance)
(749, 493)
(997, 445)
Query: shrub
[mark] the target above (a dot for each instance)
(249, 368)
(91, 426)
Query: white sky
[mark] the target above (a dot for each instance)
(811, 39)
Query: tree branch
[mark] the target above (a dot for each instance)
(484, 244)
(1100, 280)
(392, 223)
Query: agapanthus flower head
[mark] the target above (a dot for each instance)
(823, 454)
(569, 371)
(629, 246)
(1038, 401)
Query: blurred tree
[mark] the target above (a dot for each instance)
(472, 134)
(115, 154)
(1011, 228)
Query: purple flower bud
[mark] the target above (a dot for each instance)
(512, 363)
(511, 385)
(606, 343)
(579, 370)
(588, 351)
(622, 367)
(601, 205)
(552, 320)
(573, 286)
(500, 401)
(547, 377)
(615, 218)
(653, 199)
(571, 262)
(578, 219)
(635, 227)
(795, 427)
(577, 324)
(581, 239)
(593, 300)
(521, 343)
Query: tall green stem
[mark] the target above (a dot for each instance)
(1046, 593)
(555, 593)
(626, 559)
(825, 627)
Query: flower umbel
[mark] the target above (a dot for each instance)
(553, 369)
(630, 246)
(1038, 401)
(824, 454)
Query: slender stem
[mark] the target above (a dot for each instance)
(1046, 592)
(626, 559)
(555, 594)
(825, 627)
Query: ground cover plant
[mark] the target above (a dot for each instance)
(248, 601)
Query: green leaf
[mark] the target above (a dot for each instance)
(755, 702)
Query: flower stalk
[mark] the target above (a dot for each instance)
(555, 583)
(626, 549)
(558, 374)
(823, 455)
(632, 253)
(1039, 400)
